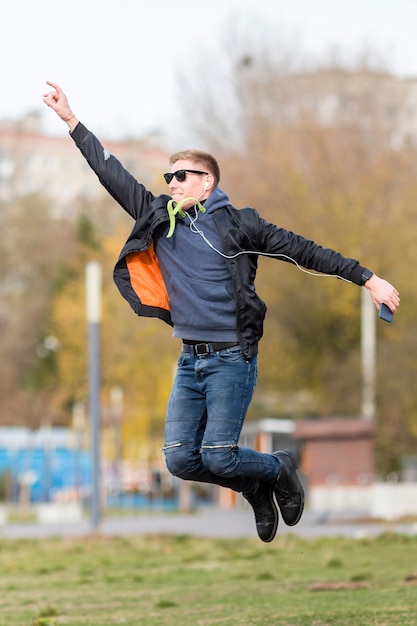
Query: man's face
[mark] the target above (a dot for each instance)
(196, 186)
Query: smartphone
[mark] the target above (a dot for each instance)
(385, 313)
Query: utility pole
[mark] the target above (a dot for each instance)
(93, 310)
(116, 401)
(368, 356)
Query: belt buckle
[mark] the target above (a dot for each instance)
(201, 349)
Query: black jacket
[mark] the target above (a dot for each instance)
(137, 273)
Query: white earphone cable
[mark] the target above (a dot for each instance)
(197, 231)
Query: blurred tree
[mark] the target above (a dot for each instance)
(324, 152)
(136, 354)
(30, 257)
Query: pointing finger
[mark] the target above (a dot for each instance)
(54, 85)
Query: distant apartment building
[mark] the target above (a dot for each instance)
(374, 102)
(32, 161)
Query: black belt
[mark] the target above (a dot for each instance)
(200, 348)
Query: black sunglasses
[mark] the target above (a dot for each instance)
(180, 175)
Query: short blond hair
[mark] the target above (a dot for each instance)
(201, 158)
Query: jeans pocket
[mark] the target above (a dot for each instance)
(183, 359)
(232, 355)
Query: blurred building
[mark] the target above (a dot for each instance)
(376, 104)
(32, 161)
(332, 451)
(39, 465)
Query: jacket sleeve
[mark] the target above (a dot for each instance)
(121, 185)
(294, 248)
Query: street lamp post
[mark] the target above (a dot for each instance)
(368, 356)
(93, 310)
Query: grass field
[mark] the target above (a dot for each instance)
(181, 581)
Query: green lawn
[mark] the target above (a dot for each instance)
(183, 581)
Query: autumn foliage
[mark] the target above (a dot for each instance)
(312, 156)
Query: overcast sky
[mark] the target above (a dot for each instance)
(117, 60)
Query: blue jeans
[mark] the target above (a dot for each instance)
(205, 415)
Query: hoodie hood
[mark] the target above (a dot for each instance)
(216, 200)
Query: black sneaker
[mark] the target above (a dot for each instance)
(288, 490)
(266, 512)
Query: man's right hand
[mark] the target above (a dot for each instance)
(57, 100)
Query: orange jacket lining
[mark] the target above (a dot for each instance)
(146, 278)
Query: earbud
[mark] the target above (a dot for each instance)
(206, 187)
